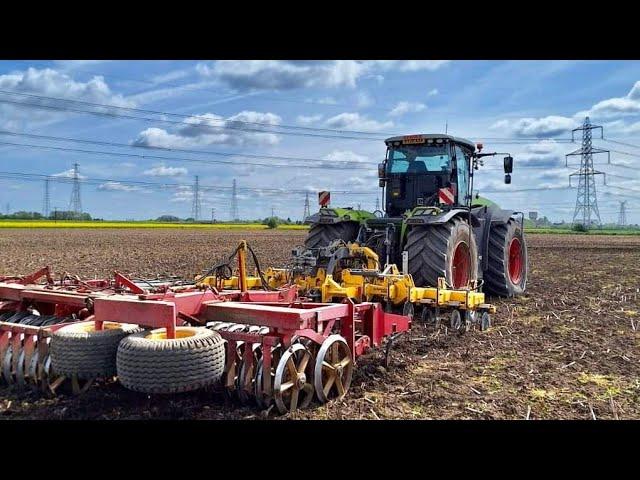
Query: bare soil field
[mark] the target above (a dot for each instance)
(569, 349)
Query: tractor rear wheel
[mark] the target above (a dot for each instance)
(322, 234)
(445, 250)
(506, 274)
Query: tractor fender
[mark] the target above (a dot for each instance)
(441, 218)
(337, 215)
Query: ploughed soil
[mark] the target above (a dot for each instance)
(569, 348)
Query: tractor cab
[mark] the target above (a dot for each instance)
(425, 170)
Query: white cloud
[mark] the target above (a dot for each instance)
(325, 101)
(284, 75)
(402, 108)
(620, 127)
(212, 129)
(408, 65)
(364, 100)
(542, 147)
(552, 125)
(290, 74)
(347, 156)
(616, 107)
(308, 119)
(51, 83)
(433, 92)
(118, 187)
(183, 193)
(355, 121)
(549, 126)
(163, 171)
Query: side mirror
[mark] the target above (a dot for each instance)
(507, 179)
(381, 170)
(508, 164)
(382, 182)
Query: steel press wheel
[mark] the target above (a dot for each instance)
(292, 388)
(333, 369)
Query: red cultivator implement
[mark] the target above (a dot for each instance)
(268, 346)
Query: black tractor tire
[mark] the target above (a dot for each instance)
(431, 250)
(79, 349)
(193, 360)
(322, 234)
(499, 280)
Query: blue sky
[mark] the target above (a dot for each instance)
(528, 107)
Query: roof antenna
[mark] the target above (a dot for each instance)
(446, 126)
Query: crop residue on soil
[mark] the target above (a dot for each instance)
(567, 349)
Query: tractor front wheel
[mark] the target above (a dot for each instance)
(506, 274)
(444, 250)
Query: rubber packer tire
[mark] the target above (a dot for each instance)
(431, 248)
(77, 350)
(171, 365)
(322, 234)
(496, 276)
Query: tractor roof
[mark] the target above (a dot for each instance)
(433, 136)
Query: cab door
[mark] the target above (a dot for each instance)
(462, 169)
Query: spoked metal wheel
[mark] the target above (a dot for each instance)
(333, 369)
(292, 388)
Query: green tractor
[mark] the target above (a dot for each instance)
(431, 225)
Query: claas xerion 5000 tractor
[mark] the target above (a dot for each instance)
(432, 225)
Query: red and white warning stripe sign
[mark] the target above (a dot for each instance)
(446, 196)
(324, 198)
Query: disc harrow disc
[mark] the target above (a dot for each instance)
(263, 399)
(7, 366)
(247, 376)
(21, 381)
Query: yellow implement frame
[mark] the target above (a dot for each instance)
(367, 284)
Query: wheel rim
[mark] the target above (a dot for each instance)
(333, 370)
(291, 387)
(515, 260)
(461, 265)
